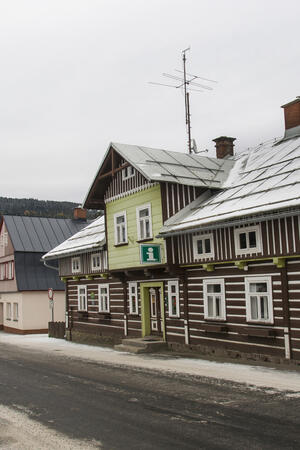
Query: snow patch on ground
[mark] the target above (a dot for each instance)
(18, 431)
(253, 376)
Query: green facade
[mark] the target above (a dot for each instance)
(128, 255)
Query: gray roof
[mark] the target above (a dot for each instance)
(39, 234)
(168, 166)
(90, 237)
(265, 178)
(32, 275)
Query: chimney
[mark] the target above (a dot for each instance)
(79, 213)
(224, 146)
(292, 117)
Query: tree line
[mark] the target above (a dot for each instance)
(39, 208)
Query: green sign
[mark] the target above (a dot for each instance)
(150, 254)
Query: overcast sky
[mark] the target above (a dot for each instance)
(74, 77)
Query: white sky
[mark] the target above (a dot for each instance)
(74, 76)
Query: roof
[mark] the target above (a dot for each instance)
(264, 179)
(90, 237)
(32, 275)
(39, 234)
(158, 165)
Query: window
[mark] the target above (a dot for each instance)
(133, 298)
(203, 246)
(96, 261)
(103, 295)
(247, 240)
(2, 271)
(8, 311)
(10, 270)
(82, 298)
(173, 298)
(76, 266)
(16, 311)
(120, 228)
(214, 299)
(259, 304)
(128, 172)
(144, 222)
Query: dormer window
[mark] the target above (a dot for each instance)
(247, 240)
(128, 172)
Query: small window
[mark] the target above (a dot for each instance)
(96, 261)
(16, 311)
(173, 298)
(103, 295)
(82, 298)
(259, 304)
(120, 228)
(247, 240)
(203, 246)
(128, 172)
(144, 222)
(76, 265)
(2, 271)
(8, 311)
(10, 270)
(133, 298)
(214, 299)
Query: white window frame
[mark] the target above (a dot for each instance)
(79, 295)
(133, 304)
(76, 260)
(206, 294)
(128, 172)
(15, 311)
(170, 294)
(202, 237)
(10, 270)
(116, 226)
(268, 294)
(8, 311)
(2, 271)
(100, 298)
(248, 250)
(143, 219)
(93, 266)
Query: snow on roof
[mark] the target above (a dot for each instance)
(175, 167)
(265, 178)
(90, 237)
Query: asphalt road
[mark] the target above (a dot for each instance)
(126, 408)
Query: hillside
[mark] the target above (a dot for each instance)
(39, 208)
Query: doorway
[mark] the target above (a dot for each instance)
(152, 309)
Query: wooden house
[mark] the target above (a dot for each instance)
(202, 252)
(24, 280)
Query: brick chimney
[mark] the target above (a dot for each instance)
(224, 146)
(292, 117)
(79, 213)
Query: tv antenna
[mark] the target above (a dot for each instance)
(185, 81)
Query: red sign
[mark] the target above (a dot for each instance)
(50, 293)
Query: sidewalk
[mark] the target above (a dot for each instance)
(253, 376)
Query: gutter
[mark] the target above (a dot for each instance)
(50, 267)
(242, 221)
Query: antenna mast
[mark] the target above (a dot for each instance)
(187, 102)
(185, 83)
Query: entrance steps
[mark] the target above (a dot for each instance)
(142, 345)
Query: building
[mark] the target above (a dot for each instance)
(203, 253)
(24, 280)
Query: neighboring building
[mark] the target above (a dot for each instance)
(24, 280)
(203, 252)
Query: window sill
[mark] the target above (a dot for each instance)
(121, 245)
(145, 240)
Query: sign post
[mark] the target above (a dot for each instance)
(51, 302)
